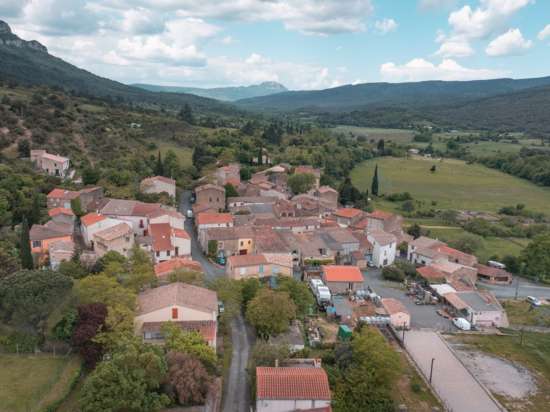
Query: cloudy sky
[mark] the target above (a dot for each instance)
(304, 44)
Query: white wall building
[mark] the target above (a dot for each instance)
(384, 246)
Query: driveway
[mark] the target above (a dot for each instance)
(458, 389)
(422, 316)
(212, 271)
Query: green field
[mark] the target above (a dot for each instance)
(454, 185)
(31, 383)
(184, 154)
(375, 134)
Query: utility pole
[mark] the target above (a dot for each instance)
(403, 339)
(431, 370)
(517, 288)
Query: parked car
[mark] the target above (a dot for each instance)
(462, 324)
(533, 301)
(189, 213)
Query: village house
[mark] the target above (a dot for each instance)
(230, 174)
(54, 165)
(135, 213)
(400, 318)
(284, 208)
(167, 267)
(208, 220)
(348, 216)
(481, 309)
(279, 249)
(328, 196)
(386, 221)
(455, 272)
(158, 184)
(384, 246)
(421, 250)
(63, 198)
(62, 215)
(90, 198)
(210, 196)
(291, 389)
(314, 250)
(295, 225)
(118, 238)
(340, 241)
(60, 251)
(92, 223)
(190, 307)
(229, 240)
(167, 242)
(174, 218)
(341, 279)
(233, 202)
(246, 266)
(42, 236)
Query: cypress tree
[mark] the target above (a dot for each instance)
(35, 210)
(25, 246)
(159, 169)
(374, 187)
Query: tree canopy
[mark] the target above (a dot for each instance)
(301, 182)
(270, 312)
(536, 257)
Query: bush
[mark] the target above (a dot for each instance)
(399, 197)
(393, 273)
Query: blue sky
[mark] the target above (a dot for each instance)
(304, 44)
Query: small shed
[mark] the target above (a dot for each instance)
(344, 333)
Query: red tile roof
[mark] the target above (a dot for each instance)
(393, 306)
(380, 214)
(348, 212)
(91, 219)
(430, 273)
(169, 266)
(206, 218)
(335, 273)
(247, 260)
(58, 193)
(180, 233)
(292, 383)
(161, 235)
(492, 271)
(60, 211)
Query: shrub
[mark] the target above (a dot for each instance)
(393, 273)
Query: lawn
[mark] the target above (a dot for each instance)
(533, 354)
(521, 313)
(31, 383)
(394, 135)
(454, 185)
(184, 154)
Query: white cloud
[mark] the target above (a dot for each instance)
(12, 8)
(385, 26)
(544, 33)
(228, 40)
(468, 24)
(509, 43)
(141, 21)
(420, 69)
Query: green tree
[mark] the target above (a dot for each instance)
(367, 381)
(27, 297)
(8, 262)
(90, 175)
(270, 312)
(177, 340)
(298, 292)
(536, 257)
(349, 194)
(24, 148)
(186, 114)
(105, 289)
(230, 190)
(393, 273)
(190, 277)
(250, 288)
(27, 261)
(129, 381)
(467, 243)
(159, 167)
(381, 147)
(76, 207)
(375, 185)
(415, 230)
(301, 182)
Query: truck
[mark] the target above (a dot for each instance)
(323, 296)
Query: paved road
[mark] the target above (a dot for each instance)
(526, 288)
(422, 316)
(211, 271)
(458, 389)
(237, 394)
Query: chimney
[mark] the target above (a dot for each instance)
(276, 363)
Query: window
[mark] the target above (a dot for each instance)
(177, 250)
(141, 223)
(36, 243)
(167, 253)
(174, 313)
(261, 269)
(242, 271)
(210, 200)
(242, 243)
(158, 253)
(249, 242)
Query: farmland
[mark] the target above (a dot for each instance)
(454, 185)
(31, 383)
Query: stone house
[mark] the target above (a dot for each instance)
(54, 165)
(211, 196)
(158, 184)
(118, 238)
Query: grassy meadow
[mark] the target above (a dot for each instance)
(30, 383)
(375, 134)
(454, 185)
(183, 154)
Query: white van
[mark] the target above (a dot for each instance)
(462, 324)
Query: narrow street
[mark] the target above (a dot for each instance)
(236, 390)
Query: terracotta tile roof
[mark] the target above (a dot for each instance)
(348, 212)
(381, 237)
(455, 301)
(292, 383)
(58, 193)
(55, 158)
(335, 273)
(114, 232)
(169, 266)
(207, 328)
(180, 294)
(182, 234)
(165, 212)
(209, 186)
(380, 214)
(159, 179)
(247, 260)
(492, 271)
(393, 306)
(430, 273)
(60, 211)
(144, 209)
(65, 228)
(40, 232)
(161, 235)
(206, 218)
(91, 219)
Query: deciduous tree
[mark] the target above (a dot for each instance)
(536, 257)
(270, 312)
(301, 182)
(189, 378)
(90, 321)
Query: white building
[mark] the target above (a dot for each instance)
(167, 242)
(93, 223)
(158, 184)
(208, 220)
(384, 246)
(53, 165)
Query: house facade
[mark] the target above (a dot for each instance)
(210, 196)
(167, 242)
(118, 238)
(54, 165)
(384, 246)
(342, 279)
(158, 184)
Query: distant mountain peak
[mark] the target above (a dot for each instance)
(8, 38)
(273, 85)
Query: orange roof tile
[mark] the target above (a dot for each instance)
(180, 233)
(58, 193)
(169, 266)
(206, 218)
(292, 383)
(393, 306)
(380, 214)
(161, 235)
(348, 212)
(91, 219)
(247, 260)
(60, 211)
(335, 273)
(430, 273)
